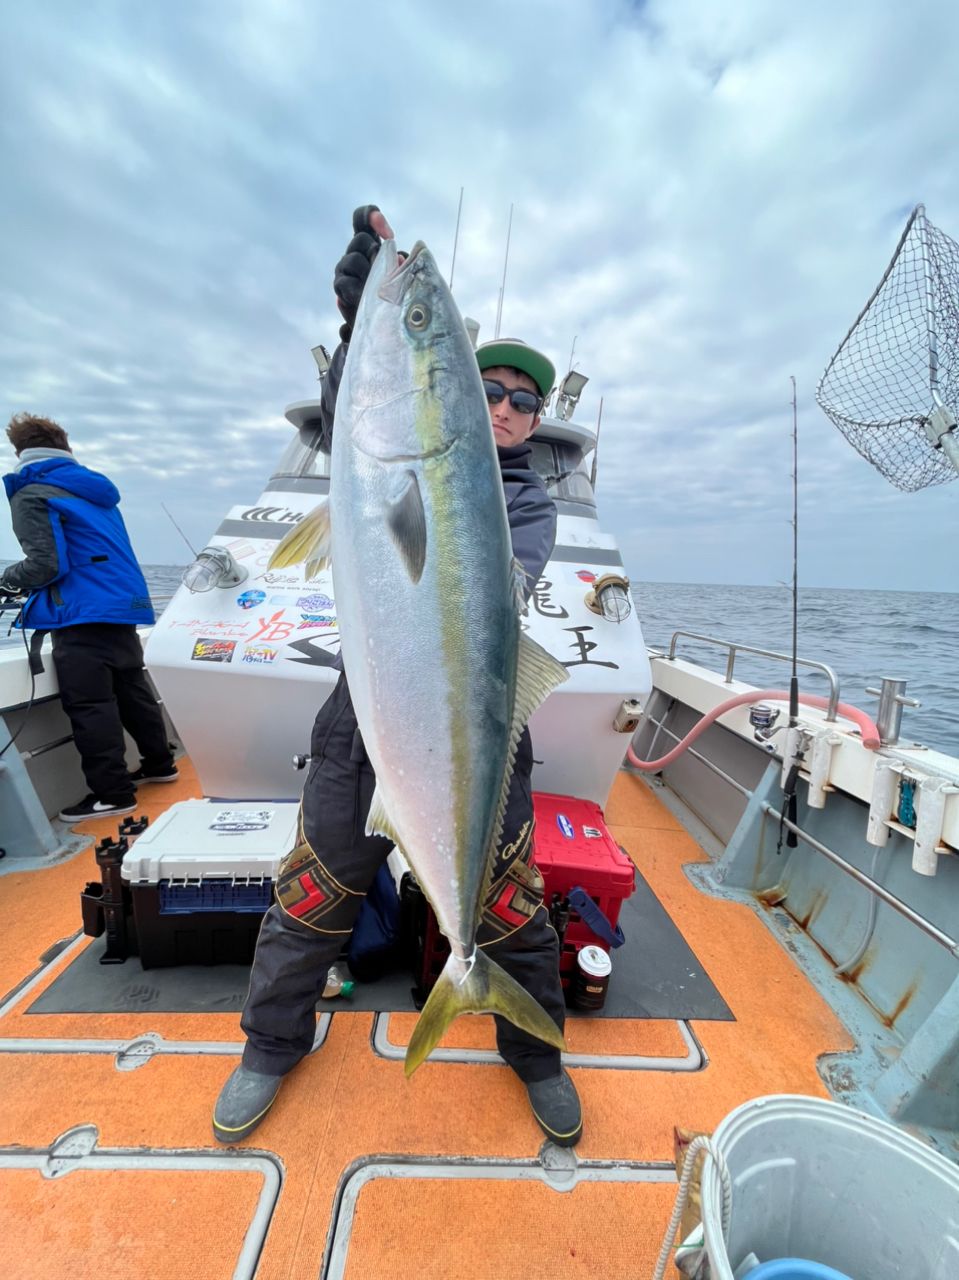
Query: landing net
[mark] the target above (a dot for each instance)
(900, 361)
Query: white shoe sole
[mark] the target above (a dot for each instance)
(106, 812)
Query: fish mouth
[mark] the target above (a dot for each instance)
(401, 274)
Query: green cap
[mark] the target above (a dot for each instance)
(512, 353)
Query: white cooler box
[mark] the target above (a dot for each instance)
(201, 878)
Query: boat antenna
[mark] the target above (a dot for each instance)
(790, 806)
(592, 474)
(456, 238)
(571, 350)
(502, 288)
(180, 531)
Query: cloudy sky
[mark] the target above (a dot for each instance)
(705, 194)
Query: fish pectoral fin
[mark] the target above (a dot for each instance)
(406, 521)
(307, 541)
(378, 821)
(484, 988)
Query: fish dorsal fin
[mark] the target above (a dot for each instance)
(537, 674)
(378, 821)
(406, 521)
(307, 541)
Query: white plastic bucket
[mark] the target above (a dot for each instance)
(815, 1179)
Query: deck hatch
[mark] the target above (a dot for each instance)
(494, 1212)
(71, 1209)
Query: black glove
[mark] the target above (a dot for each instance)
(350, 273)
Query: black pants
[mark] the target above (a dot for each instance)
(321, 886)
(104, 690)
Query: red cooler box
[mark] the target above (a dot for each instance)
(573, 849)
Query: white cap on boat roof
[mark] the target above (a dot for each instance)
(513, 353)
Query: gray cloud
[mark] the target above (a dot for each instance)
(704, 196)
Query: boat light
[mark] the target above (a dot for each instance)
(609, 597)
(568, 394)
(213, 567)
(322, 358)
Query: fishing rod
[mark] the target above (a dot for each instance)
(8, 603)
(180, 531)
(456, 239)
(502, 289)
(790, 803)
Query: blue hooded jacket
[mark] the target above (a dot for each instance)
(79, 566)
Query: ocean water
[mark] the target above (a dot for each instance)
(862, 635)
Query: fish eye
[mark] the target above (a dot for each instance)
(418, 316)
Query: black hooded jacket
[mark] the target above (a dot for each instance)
(529, 508)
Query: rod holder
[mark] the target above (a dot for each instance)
(892, 699)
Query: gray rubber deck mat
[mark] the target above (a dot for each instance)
(655, 975)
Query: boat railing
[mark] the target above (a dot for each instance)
(733, 648)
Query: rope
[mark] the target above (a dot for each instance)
(702, 1143)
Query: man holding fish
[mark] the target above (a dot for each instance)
(435, 531)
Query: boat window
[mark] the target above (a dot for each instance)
(564, 471)
(303, 455)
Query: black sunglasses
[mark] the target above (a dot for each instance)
(523, 401)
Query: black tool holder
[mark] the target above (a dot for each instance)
(106, 905)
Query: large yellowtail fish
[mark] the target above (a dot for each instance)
(428, 600)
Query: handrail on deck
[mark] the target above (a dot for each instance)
(735, 648)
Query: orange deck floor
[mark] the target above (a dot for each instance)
(346, 1103)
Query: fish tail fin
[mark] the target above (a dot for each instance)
(477, 985)
(307, 541)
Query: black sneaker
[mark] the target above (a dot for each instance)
(555, 1104)
(143, 774)
(91, 807)
(243, 1102)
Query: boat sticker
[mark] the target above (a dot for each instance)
(543, 604)
(586, 575)
(250, 599)
(259, 653)
(240, 549)
(273, 515)
(207, 649)
(592, 833)
(273, 628)
(310, 651)
(315, 602)
(585, 648)
(236, 821)
(565, 826)
(316, 620)
(211, 626)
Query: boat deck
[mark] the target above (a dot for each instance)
(358, 1172)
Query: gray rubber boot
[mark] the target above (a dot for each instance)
(556, 1107)
(243, 1102)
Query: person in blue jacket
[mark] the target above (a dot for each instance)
(84, 586)
(322, 883)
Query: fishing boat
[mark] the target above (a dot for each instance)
(771, 877)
